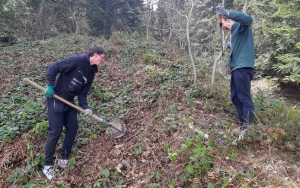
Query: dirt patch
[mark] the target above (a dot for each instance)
(262, 84)
(290, 92)
(12, 156)
(150, 153)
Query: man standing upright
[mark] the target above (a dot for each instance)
(241, 63)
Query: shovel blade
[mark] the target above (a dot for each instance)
(117, 128)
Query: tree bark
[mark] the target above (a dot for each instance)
(42, 22)
(188, 18)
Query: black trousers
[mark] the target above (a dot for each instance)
(240, 87)
(60, 115)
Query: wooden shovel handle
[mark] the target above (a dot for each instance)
(63, 100)
(220, 17)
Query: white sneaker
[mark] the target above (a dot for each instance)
(242, 134)
(49, 172)
(63, 163)
(241, 137)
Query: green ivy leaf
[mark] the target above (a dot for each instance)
(8, 139)
(210, 185)
(85, 141)
(233, 155)
(202, 134)
(189, 169)
(106, 173)
(139, 151)
(194, 158)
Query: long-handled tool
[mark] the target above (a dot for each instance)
(116, 128)
(221, 24)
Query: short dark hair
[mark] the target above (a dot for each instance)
(97, 49)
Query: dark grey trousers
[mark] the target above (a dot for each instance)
(240, 87)
(60, 115)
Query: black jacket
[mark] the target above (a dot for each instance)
(75, 78)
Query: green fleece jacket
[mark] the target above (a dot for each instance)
(242, 43)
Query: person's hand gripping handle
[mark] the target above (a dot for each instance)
(222, 11)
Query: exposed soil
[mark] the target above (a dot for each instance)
(290, 92)
(142, 150)
(267, 164)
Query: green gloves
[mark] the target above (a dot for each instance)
(49, 91)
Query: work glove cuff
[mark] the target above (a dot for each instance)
(88, 112)
(49, 91)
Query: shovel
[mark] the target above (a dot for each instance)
(116, 128)
(221, 24)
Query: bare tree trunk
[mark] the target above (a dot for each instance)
(42, 22)
(245, 7)
(182, 43)
(10, 40)
(77, 12)
(105, 20)
(147, 31)
(148, 17)
(77, 28)
(170, 35)
(220, 55)
(189, 43)
(148, 22)
(74, 11)
(188, 18)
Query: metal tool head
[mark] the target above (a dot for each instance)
(116, 128)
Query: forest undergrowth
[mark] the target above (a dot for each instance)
(179, 134)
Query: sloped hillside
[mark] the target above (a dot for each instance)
(179, 134)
